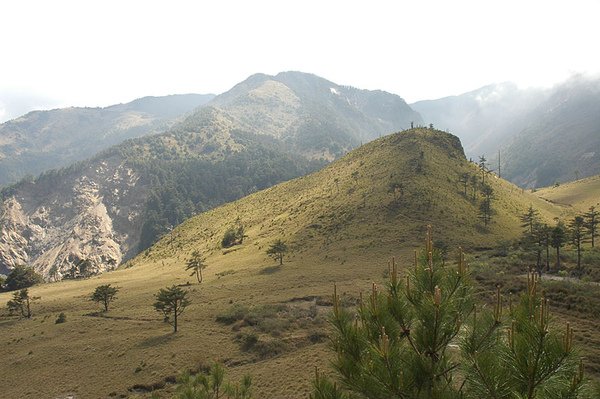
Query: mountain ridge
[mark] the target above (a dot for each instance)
(361, 115)
(42, 140)
(543, 135)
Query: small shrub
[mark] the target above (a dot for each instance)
(502, 250)
(233, 314)
(225, 273)
(267, 349)
(274, 326)
(317, 336)
(229, 238)
(140, 367)
(62, 318)
(247, 340)
(563, 273)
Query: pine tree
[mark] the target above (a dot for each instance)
(537, 239)
(576, 227)
(485, 208)
(277, 250)
(171, 302)
(401, 343)
(212, 385)
(104, 294)
(21, 303)
(558, 237)
(483, 168)
(592, 219)
(464, 180)
(528, 359)
(22, 277)
(196, 264)
(545, 233)
(529, 219)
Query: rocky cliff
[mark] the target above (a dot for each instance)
(57, 223)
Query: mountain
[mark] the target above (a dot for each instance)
(543, 135)
(342, 225)
(484, 119)
(44, 140)
(561, 140)
(312, 115)
(110, 207)
(107, 209)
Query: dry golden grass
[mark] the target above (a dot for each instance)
(579, 194)
(341, 227)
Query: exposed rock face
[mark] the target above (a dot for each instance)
(12, 243)
(92, 219)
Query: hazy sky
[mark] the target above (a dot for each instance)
(97, 53)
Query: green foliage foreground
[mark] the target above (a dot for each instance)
(212, 385)
(424, 337)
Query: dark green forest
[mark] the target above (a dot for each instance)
(182, 188)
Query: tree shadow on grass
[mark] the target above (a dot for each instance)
(270, 269)
(158, 340)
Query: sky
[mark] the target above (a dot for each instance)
(96, 53)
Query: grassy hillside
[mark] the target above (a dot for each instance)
(342, 225)
(579, 194)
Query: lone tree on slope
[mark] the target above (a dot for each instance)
(196, 264)
(483, 167)
(277, 250)
(171, 302)
(104, 294)
(21, 303)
